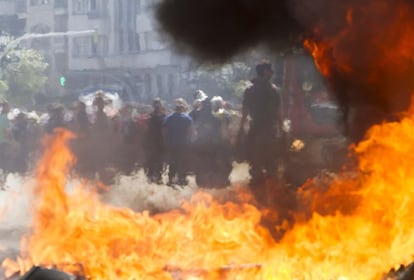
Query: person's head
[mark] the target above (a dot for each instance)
(200, 95)
(79, 106)
(180, 105)
(264, 70)
(56, 110)
(206, 107)
(21, 117)
(99, 100)
(217, 103)
(157, 105)
(126, 110)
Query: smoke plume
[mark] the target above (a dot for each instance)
(216, 30)
(364, 46)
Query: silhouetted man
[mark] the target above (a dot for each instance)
(262, 103)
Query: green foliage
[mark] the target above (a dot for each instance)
(3, 89)
(229, 80)
(23, 71)
(239, 87)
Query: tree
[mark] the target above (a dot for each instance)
(3, 89)
(227, 80)
(23, 74)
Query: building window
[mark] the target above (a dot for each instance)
(171, 86)
(39, 2)
(138, 42)
(147, 84)
(150, 4)
(152, 41)
(121, 41)
(147, 41)
(99, 46)
(61, 23)
(61, 4)
(21, 6)
(138, 7)
(160, 86)
(126, 21)
(82, 47)
(103, 45)
(88, 46)
(80, 7)
(133, 42)
(93, 5)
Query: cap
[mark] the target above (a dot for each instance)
(200, 95)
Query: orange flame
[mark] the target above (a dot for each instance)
(208, 240)
(319, 53)
(380, 41)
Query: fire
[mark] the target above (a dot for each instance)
(203, 238)
(363, 232)
(358, 227)
(368, 49)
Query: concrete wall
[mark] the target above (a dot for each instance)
(7, 7)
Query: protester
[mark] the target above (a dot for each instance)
(177, 129)
(154, 143)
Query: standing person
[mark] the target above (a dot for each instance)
(199, 97)
(127, 145)
(208, 156)
(102, 139)
(81, 125)
(22, 134)
(56, 119)
(262, 103)
(101, 120)
(154, 143)
(4, 123)
(177, 129)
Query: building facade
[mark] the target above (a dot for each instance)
(106, 43)
(10, 23)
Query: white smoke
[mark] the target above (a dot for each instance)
(136, 193)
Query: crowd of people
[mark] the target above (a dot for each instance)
(174, 139)
(110, 141)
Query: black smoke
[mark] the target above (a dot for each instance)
(375, 89)
(216, 30)
(372, 58)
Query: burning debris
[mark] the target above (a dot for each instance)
(402, 273)
(41, 273)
